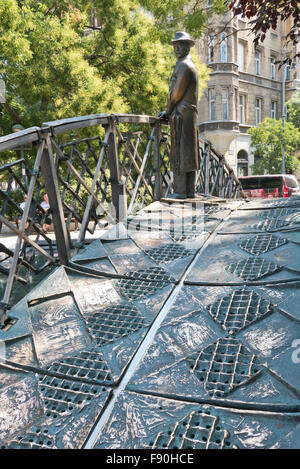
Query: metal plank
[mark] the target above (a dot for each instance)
(17, 139)
(64, 125)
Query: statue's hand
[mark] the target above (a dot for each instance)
(163, 115)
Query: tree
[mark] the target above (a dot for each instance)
(264, 15)
(129, 50)
(55, 67)
(175, 15)
(294, 110)
(267, 139)
(43, 65)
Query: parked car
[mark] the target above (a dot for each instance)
(268, 186)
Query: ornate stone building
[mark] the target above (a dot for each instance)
(245, 85)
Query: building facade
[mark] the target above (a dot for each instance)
(245, 86)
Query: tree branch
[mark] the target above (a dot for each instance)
(44, 104)
(94, 28)
(13, 114)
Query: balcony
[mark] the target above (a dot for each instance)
(208, 126)
(260, 80)
(223, 67)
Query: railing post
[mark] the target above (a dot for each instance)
(229, 185)
(206, 169)
(157, 162)
(3, 312)
(52, 189)
(221, 182)
(4, 206)
(118, 188)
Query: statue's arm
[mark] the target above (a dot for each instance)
(179, 88)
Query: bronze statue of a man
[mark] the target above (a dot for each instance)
(182, 113)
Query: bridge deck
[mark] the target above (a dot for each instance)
(178, 329)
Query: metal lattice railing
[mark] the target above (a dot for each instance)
(215, 176)
(90, 167)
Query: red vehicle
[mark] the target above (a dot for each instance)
(267, 186)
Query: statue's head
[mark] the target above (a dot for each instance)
(182, 44)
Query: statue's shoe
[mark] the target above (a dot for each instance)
(175, 195)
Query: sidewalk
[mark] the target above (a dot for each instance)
(179, 330)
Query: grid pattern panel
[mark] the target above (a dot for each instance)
(188, 233)
(271, 224)
(144, 224)
(261, 243)
(37, 437)
(144, 282)
(214, 210)
(277, 212)
(294, 217)
(198, 430)
(224, 366)
(61, 398)
(179, 231)
(238, 310)
(114, 322)
(281, 203)
(87, 365)
(253, 268)
(169, 253)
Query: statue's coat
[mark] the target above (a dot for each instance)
(182, 109)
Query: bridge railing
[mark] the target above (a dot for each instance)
(90, 167)
(215, 176)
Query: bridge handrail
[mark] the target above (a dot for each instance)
(33, 134)
(124, 170)
(19, 138)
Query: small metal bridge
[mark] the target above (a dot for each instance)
(91, 167)
(177, 330)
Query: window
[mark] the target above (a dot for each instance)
(223, 47)
(272, 68)
(257, 62)
(225, 102)
(274, 109)
(261, 182)
(291, 181)
(241, 57)
(287, 72)
(242, 163)
(210, 48)
(258, 107)
(241, 109)
(212, 105)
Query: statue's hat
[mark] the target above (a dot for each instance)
(183, 36)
